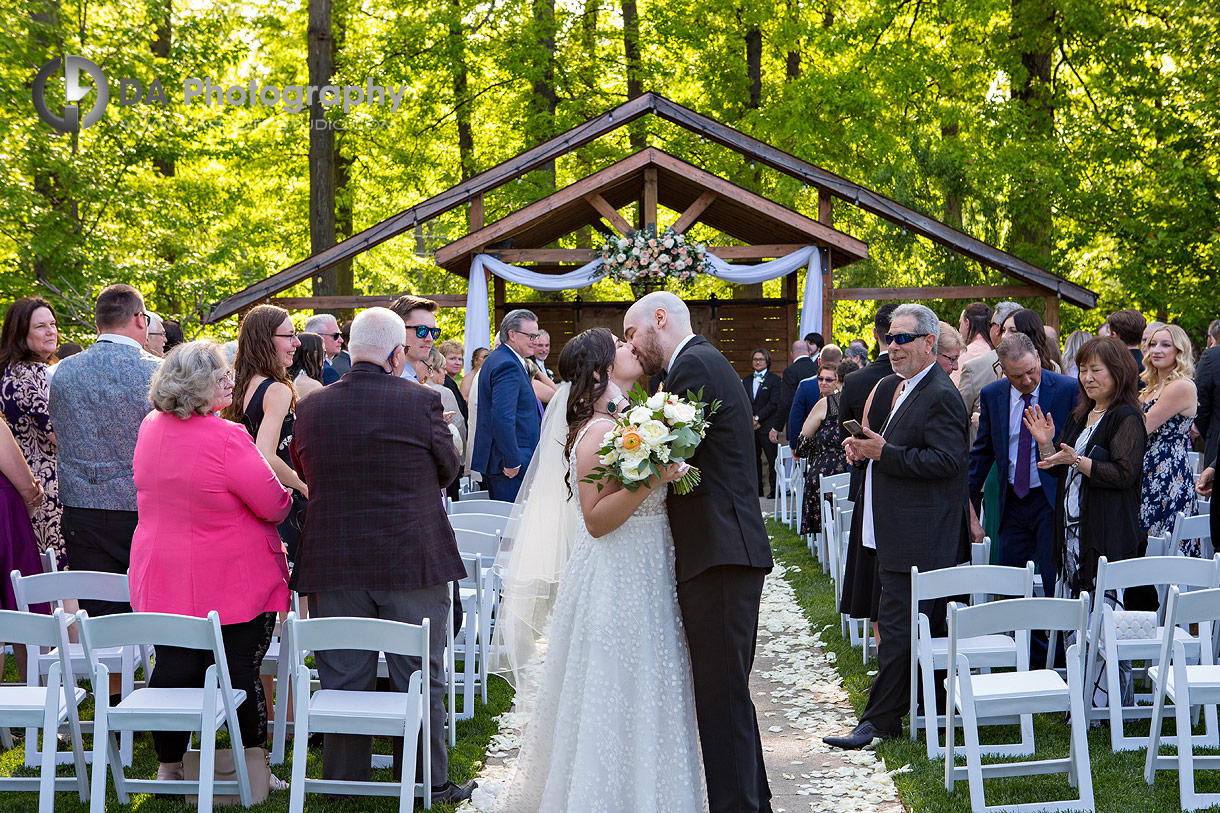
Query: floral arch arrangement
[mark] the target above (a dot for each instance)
(643, 257)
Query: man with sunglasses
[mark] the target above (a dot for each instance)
(507, 421)
(419, 315)
(913, 509)
(326, 326)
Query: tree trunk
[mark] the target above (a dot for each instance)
(635, 69)
(545, 99)
(320, 59)
(344, 228)
(166, 163)
(45, 43)
(461, 104)
(1033, 35)
(754, 64)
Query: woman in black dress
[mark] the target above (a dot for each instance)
(821, 442)
(264, 401)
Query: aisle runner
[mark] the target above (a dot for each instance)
(799, 699)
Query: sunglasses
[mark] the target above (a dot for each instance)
(903, 338)
(423, 331)
(335, 336)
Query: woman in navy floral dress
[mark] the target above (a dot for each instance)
(1169, 400)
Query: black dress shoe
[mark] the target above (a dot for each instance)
(450, 792)
(863, 735)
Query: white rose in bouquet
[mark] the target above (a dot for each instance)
(622, 258)
(655, 401)
(652, 432)
(684, 412)
(639, 415)
(635, 466)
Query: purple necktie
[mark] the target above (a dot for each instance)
(1025, 443)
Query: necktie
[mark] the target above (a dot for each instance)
(1025, 443)
(760, 374)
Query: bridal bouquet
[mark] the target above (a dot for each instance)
(651, 432)
(645, 257)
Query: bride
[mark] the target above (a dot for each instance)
(611, 710)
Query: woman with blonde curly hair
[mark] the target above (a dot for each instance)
(1169, 401)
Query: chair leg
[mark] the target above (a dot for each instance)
(50, 726)
(406, 794)
(974, 753)
(1154, 729)
(300, 742)
(1080, 739)
(207, 744)
(97, 801)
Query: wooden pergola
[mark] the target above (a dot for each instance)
(652, 178)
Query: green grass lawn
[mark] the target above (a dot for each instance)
(1118, 779)
(465, 760)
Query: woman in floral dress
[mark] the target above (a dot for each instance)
(27, 343)
(1170, 401)
(820, 441)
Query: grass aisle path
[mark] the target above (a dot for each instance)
(1118, 779)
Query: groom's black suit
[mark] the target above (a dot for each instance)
(722, 556)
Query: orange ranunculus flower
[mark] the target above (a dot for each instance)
(632, 440)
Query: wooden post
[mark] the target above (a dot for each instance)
(825, 208)
(501, 297)
(650, 197)
(791, 293)
(476, 213)
(828, 296)
(1052, 311)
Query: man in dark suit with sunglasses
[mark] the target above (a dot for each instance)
(419, 315)
(508, 419)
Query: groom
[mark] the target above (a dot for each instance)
(721, 549)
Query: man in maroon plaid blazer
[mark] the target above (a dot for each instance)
(376, 453)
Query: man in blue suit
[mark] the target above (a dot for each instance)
(509, 417)
(1027, 494)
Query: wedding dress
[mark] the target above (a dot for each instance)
(612, 726)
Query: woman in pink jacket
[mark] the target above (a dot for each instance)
(206, 540)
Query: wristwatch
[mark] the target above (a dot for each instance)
(1076, 463)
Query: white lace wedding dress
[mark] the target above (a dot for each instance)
(613, 727)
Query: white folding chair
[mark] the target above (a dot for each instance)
(1187, 685)
(1195, 462)
(46, 708)
(386, 714)
(52, 588)
(1125, 635)
(796, 480)
(475, 495)
(1000, 694)
(484, 523)
(277, 662)
(1187, 528)
(929, 654)
(826, 489)
(203, 710)
(467, 644)
(498, 508)
(783, 483)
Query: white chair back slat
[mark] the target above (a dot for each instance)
(498, 508)
(1190, 528)
(484, 523)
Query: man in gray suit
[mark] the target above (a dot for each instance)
(913, 504)
(98, 400)
(979, 372)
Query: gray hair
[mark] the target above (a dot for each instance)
(1015, 346)
(855, 351)
(185, 382)
(1003, 311)
(926, 321)
(673, 306)
(949, 339)
(544, 332)
(155, 321)
(375, 333)
(514, 320)
(229, 349)
(319, 322)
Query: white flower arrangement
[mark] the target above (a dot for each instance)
(644, 257)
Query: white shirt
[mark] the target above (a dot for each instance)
(117, 339)
(520, 358)
(678, 350)
(1016, 411)
(868, 535)
(757, 383)
(408, 372)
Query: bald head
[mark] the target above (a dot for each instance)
(654, 326)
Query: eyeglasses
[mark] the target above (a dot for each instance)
(291, 335)
(229, 378)
(903, 338)
(335, 336)
(949, 358)
(533, 336)
(828, 380)
(423, 331)
(155, 333)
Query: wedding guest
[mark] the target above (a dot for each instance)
(229, 351)
(454, 352)
(1025, 510)
(1207, 419)
(974, 326)
(476, 361)
(419, 315)
(1151, 328)
(857, 352)
(1127, 326)
(762, 388)
(1071, 347)
(435, 378)
(155, 339)
(20, 496)
(544, 387)
(1213, 333)
(1099, 464)
(799, 368)
(27, 344)
(98, 400)
(206, 540)
(542, 350)
(67, 349)
(816, 344)
(509, 420)
(1170, 402)
(327, 327)
(1104, 330)
(173, 334)
(915, 467)
(981, 370)
(949, 349)
(308, 363)
(264, 401)
(342, 362)
(819, 441)
(377, 543)
(832, 354)
(1030, 323)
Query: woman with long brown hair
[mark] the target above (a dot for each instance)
(28, 342)
(264, 400)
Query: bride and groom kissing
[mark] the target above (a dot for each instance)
(628, 618)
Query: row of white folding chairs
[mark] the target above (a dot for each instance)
(789, 479)
(1190, 528)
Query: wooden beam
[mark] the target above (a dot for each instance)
(828, 296)
(942, 292)
(584, 255)
(1052, 312)
(691, 215)
(650, 197)
(825, 208)
(500, 296)
(363, 301)
(610, 213)
(871, 201)
(763, 252)
(476, 213)
(791, 292)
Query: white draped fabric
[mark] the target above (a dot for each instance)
(478, 323)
